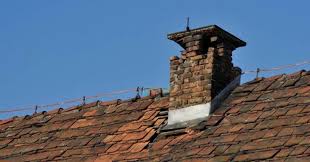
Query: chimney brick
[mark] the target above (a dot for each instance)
(205, 66)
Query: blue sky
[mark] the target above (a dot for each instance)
(56, 50)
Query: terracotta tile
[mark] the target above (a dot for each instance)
(90, 113)
(233, 149)
(286, 132)
(219, 159)
(159, 122)
(219, 150)
(103, 158)
(148, 114)
(160, 144)
(130, 126)
(137, 147)
(284, 152)
(298, 150)
(294, 140)
(255, 156)
(70, 133)
(114, 148)
(84, 123)
(149, 135)
(255, 145)
(5, 141)
(43, 155)
(119, 137)
(295, 110)
(108, 138)
(207, 150)
(135, 135)
(6, 121)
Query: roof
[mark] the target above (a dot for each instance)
(211, 30)
(267, 118)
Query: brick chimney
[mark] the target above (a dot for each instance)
(205, 66)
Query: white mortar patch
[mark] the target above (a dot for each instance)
(189, 113)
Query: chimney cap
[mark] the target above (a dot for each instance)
(211, 30)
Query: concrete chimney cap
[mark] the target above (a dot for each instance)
(209, 31)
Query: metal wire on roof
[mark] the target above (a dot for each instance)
(138, 90)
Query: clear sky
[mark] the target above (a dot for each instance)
(60, 49)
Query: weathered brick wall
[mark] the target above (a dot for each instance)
(203, 70)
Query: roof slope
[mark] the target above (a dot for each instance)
(262, 119)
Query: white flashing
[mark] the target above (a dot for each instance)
(188, 113)
(201, 110)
